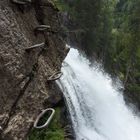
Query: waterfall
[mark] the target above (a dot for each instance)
(97, 109)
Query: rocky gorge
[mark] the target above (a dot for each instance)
(24, 68)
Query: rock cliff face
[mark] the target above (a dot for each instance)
(23, 74)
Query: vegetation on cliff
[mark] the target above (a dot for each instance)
(53, 132)
(111, 35)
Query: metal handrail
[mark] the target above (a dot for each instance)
(41, 115)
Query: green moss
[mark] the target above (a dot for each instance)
(53, 132)
(134, 88)
(61, 5)
(121, 76)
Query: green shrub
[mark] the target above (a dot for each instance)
(53, 132)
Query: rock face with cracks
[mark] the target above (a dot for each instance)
(23, 74)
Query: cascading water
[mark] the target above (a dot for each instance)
(98, 111)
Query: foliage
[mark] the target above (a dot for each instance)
(112, 35)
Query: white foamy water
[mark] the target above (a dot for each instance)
(97, 110)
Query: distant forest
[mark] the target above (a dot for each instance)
(111, 33)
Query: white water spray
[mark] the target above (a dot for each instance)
(97, 110)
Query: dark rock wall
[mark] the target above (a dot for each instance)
(23, 75)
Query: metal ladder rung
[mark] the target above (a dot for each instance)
(55, 76)
(21, 2)
(35, 46)
(42, 27)
(41, 115)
